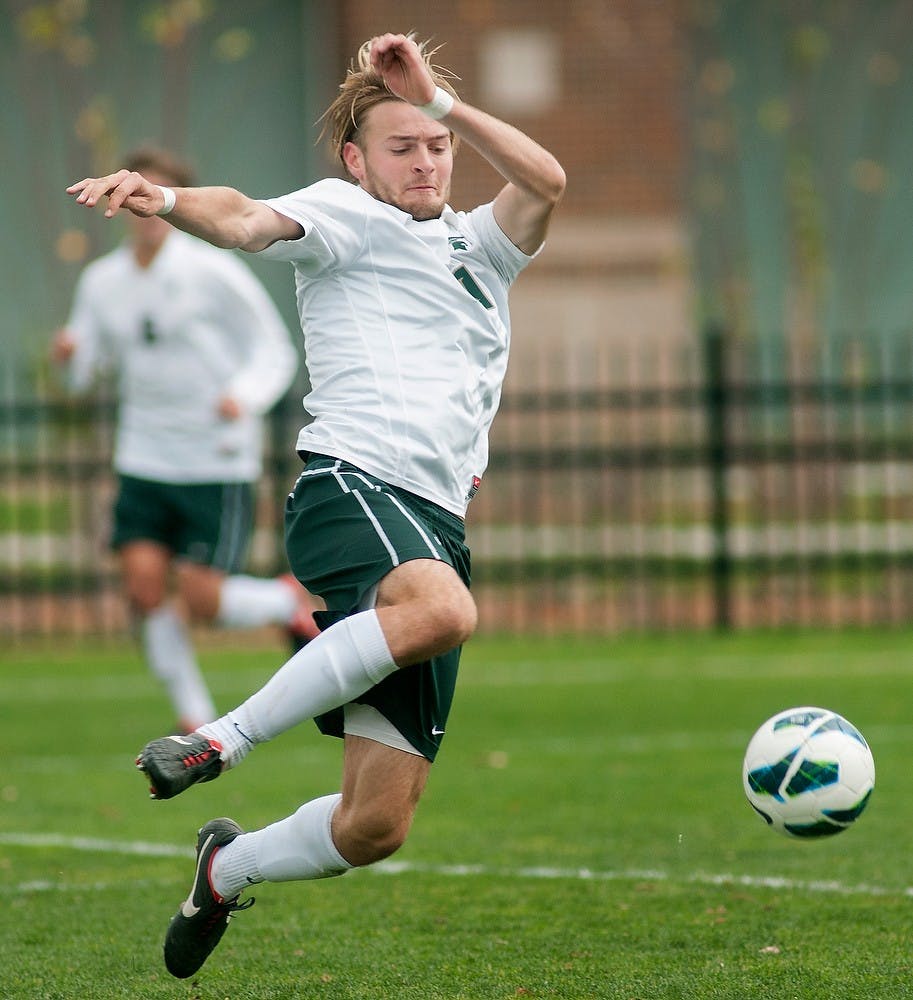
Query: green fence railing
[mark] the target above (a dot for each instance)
(726, 503)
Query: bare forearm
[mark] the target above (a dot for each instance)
(222, 216)
(535, 179)
(517, 158)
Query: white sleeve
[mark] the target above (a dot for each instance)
(271, 359)
(507, 259)
(334, 224)
(93, 354)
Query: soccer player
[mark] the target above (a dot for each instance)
(200, 352)
(403, 303)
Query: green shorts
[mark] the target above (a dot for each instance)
(344, 531)
(207, 523)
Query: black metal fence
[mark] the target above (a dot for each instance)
(714, 503)
(722, 501)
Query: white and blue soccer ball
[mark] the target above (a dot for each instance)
(808, 772)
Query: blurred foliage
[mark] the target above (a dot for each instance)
(227, 84)
(799, 196)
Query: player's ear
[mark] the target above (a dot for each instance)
(354, 160)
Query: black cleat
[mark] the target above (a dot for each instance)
(203, 918)
(174, 763)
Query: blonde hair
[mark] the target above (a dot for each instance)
(364, 89)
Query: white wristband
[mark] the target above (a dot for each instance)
(170, 198)
(439, 105)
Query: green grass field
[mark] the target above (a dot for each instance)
(584, 833)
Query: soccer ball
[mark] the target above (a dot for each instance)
(808, 772)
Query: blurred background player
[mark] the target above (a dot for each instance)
(200, 353)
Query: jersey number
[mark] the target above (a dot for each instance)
(463, 276)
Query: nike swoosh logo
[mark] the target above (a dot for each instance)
(436, 732)
(187, 907)
(181, 740)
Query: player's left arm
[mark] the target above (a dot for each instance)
(535, 179)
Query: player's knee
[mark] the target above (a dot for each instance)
(465, 618)
(200, 607)
(455, 618)
(200, 588)
(145, 597)
(444, 625)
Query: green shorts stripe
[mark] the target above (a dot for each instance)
(235, 522)
(207, 523)
(382, 535)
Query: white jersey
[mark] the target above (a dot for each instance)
(406, 331)
(194, 326)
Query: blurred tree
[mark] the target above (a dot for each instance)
(234, 85)
(800, 196)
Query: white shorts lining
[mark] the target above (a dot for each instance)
(367, 722)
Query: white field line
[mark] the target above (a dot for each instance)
(148, 849)
(143, 848)
(30, 685)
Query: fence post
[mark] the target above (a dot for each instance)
(716, 401)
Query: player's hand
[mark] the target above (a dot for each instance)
(63, 347)
(229, 408)
(399, 61)
(123, 189)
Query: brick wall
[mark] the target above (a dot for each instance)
(609, 300)
(616, 125)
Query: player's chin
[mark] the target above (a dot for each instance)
(422, 206)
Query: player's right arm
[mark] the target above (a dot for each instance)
(220, 215)
(63, 347)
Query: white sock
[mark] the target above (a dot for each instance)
(251, 601)
(298, 847)
(169, 653)
(331, 670)
(236, 745)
